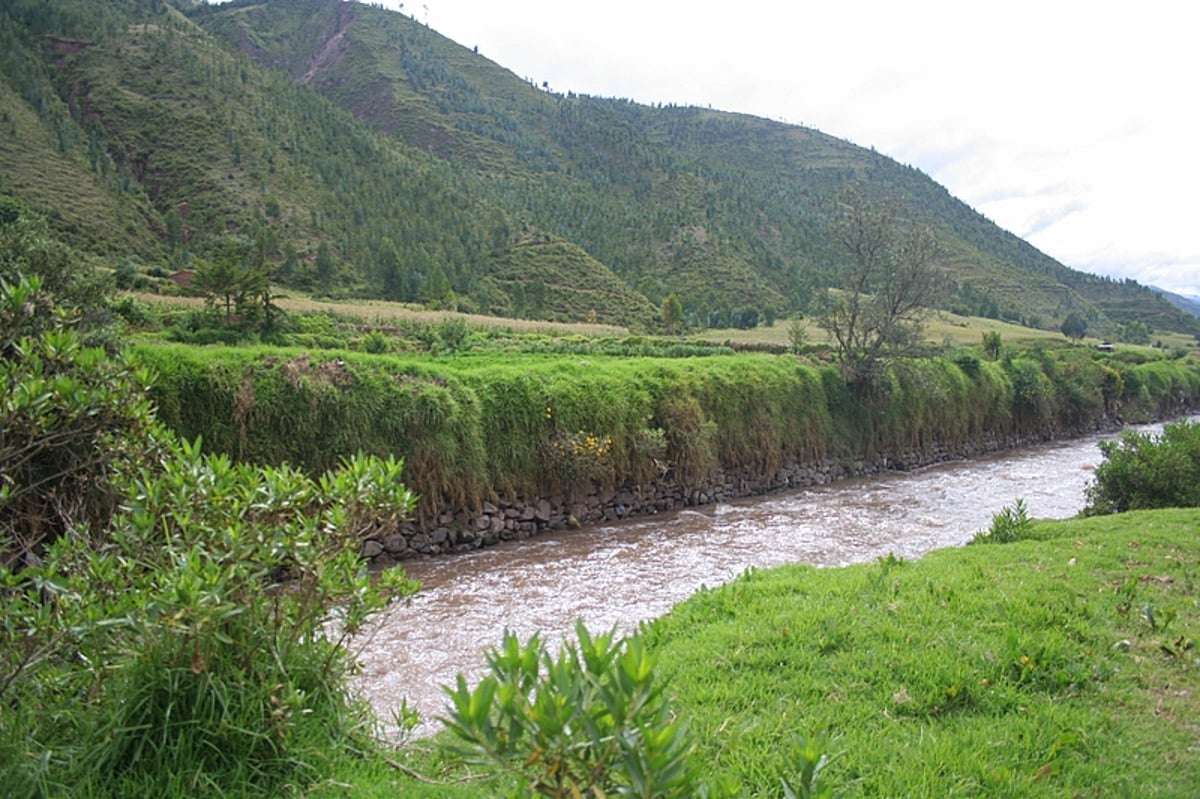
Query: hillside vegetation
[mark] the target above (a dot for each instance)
(360, 153)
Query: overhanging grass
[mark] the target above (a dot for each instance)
(491, 423)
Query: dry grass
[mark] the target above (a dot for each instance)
(380, 313)
(942, 328)
(939, 329)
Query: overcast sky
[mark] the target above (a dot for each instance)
(1075, 125)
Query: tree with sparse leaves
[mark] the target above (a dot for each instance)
(890, 283)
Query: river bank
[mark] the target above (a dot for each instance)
(1022, 670)
(519, 519)
(508, 446)
(626, 572)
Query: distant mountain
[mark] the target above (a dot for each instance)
(1189, 303)
(427, 172)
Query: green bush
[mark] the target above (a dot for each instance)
(69, 412)
(375, 342)
(1143, 471)
(135, 313)
(1009, 525)
(170, 622)
(452, 334)
(190, 649)
(594, 721)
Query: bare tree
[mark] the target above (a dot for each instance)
(892, 280)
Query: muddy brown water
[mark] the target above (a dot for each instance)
(618, 575)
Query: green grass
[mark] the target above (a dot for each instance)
(1060, 666)
(1024, 670)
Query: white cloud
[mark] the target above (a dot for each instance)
(1070, 123)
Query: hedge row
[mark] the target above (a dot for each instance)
(483, 424)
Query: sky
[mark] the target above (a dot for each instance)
(1075, 125)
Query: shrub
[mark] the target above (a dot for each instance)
(452, 333)
(135, 313)
(1009, 525)
(579, 458)
(992, 344)
(192, 647)
(70, 412)
(376, 342)
(1142, 471)
(166, 617)
(593, 721)
(797, 335)
(1033, 393)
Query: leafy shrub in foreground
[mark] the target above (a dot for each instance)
(592, 721)
(69, 412)
(180, 642)
(1143, 471)
(193, 646)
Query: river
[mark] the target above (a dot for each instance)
(617, 575)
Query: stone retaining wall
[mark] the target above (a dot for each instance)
(522, 518)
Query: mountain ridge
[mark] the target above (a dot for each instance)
(424, 169)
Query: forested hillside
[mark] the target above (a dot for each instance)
(360, 152)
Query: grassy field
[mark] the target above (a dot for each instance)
(1061, 666)
(380, 313)
(940, 329)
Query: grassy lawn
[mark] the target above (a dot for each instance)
(1062, 666)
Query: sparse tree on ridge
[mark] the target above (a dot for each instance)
(237, 286)
(891, 282)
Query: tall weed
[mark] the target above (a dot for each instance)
(1009, 525)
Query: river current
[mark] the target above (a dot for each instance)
(618, 575)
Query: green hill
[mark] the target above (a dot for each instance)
(425, 171)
